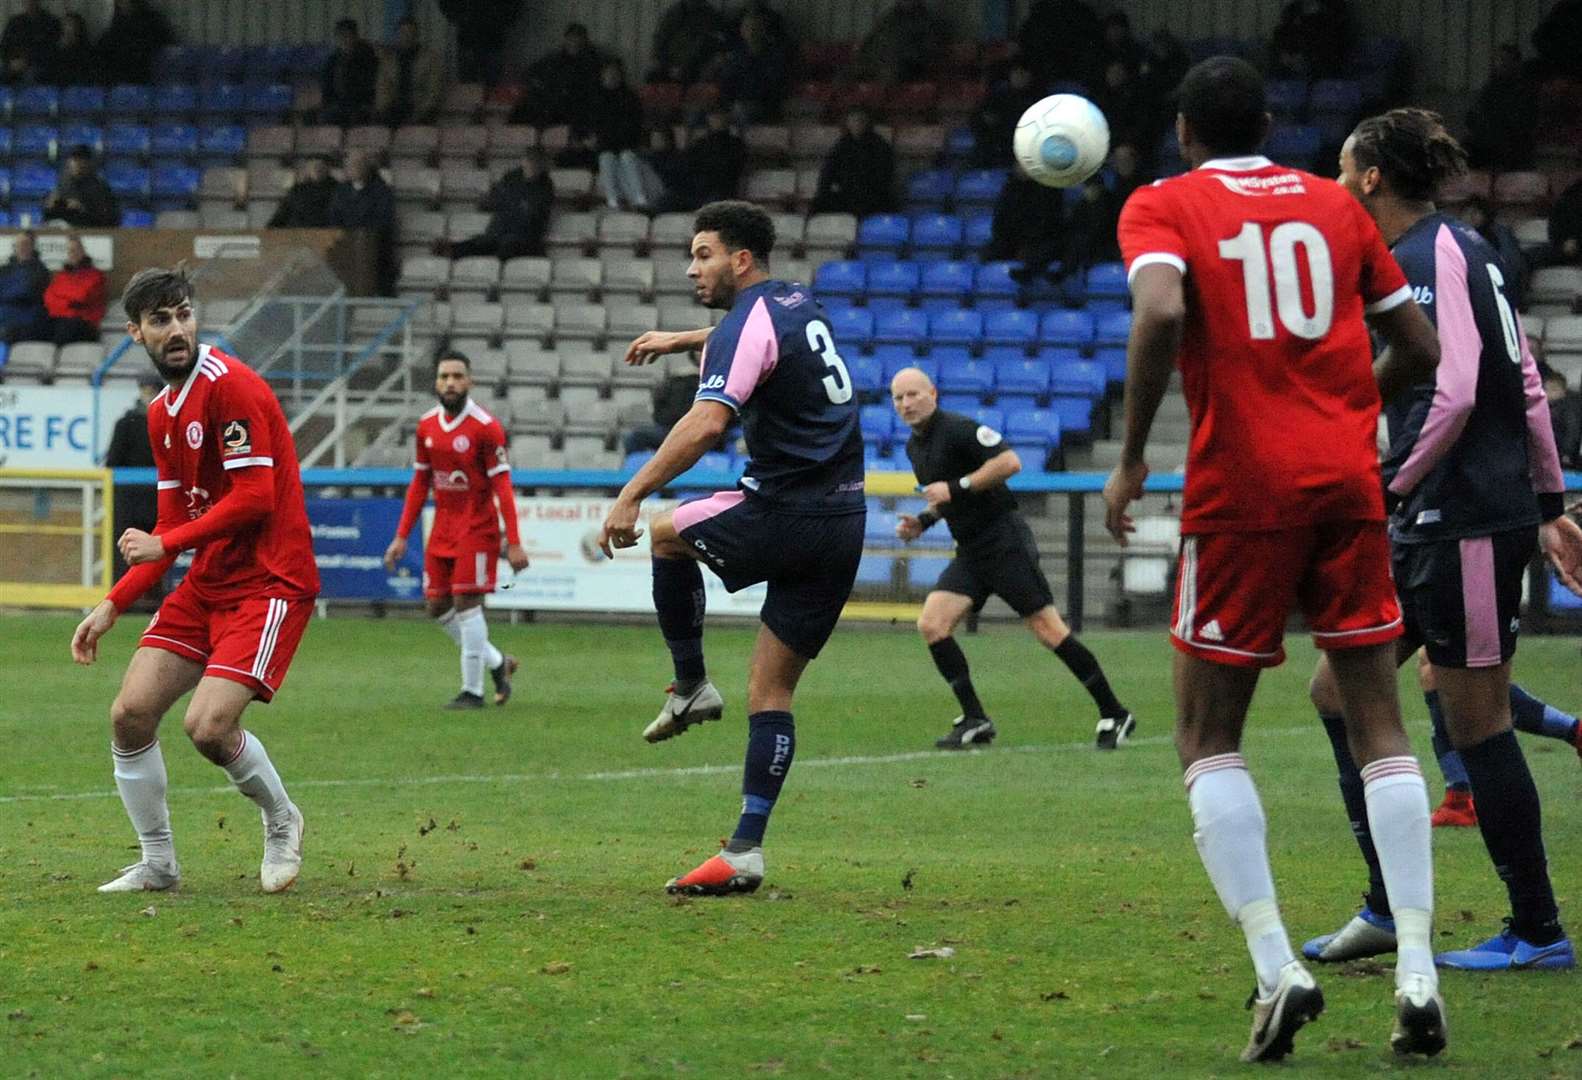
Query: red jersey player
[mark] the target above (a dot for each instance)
(1256, 279)
(228, 487)
(461, 451)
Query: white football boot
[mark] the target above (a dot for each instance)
(282, 852)
(1276, 1018)
(680, 713)
(1420, 1024)
(145, 877)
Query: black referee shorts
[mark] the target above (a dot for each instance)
(1006, 566)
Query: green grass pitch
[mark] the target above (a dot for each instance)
(482, 894)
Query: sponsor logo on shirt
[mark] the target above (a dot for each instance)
(461, 444)
(237, 438)
(197, 502)
(1282, 184)
(713, 382)
(1423, 294)
(1429, 517)
(792, 299)
(455, 480)
(194, 434)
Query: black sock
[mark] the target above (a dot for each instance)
(678, 601)
(1357, 810)
(952, 664)
(1450, 764)
(1511, 820)
(1085, 666)
(771, 744)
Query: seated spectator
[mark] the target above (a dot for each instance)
(76, 297)
(614, 133)
(1029, 226)
(690, 35)
(348, 79)
(1312, 39)
(1502, 122)
(76, 60)
(672, 399)
(558, 86)
(411, 82)
(907, 43)
(996, 118)
(1565, 412)
(715, 160)
(81, 197)
(1090, 229)
(1479, 213)
(1122, 99)
(755, 73)
(128, 46)
(858, 177)
(1558, 41)
(364, 201)
(518, 204)
(1062, 39)
(665, 172)
(307, 201)
(27, 44)
(481, 35)
(1119, 44)
(1565, 227)
(23, 280)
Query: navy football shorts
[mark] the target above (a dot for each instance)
(1462, 598)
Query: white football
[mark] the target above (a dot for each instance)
(1061, 140)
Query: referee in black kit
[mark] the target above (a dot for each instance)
(962, 467)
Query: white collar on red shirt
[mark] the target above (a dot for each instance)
(1238, 164)
(448, 424)
(210, 367)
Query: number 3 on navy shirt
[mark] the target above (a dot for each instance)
(837, 384)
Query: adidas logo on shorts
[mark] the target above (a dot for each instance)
(1211, 631)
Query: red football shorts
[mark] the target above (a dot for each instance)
(451, 575)
(1234, 591)
(251, 642)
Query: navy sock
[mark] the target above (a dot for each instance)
(952, 664)
(1511, 820)
(1538, 718)
(1085, 666)
(1449, 761)
(1357, 810)
(771, 744)
(678, 601)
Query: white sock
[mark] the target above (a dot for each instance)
(140, 778)
(492, 657)
(474, 649)
(1398, 819)
(1229, 831)
(447, 623)
(254, 776)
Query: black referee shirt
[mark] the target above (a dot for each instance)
(949, 447)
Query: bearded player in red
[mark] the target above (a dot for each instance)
(461, 452)
(228, 488)
(1257, 279)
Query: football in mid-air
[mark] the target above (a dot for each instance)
(1061, 140)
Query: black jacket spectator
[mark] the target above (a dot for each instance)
(1312, 39)
(1558, 40)
(996, 118)
(755, 73)
(690, 34)
(1124, 102)
(1500, 125)
(518, 204)
(23, 280)
(1029, 225)
(129, 45)
(558, 87)
(82, 198)
(27, 44)
(481, 34)
(1565, 226)
(411, 81)
(858, 177)
(1565, 415)
(714, 162)
(1479, 213)
(136, 507)
(365, 201)
(906, 44)
(1060, 39)
(614, 120)
(672, 399)
(349, 77)
(76, 60)
(1090, 227)
(307, 203)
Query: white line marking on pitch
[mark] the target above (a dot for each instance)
(656, 773)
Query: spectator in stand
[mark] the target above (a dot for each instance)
(557, 88)
(1123, 101)
(348, 79)
(482, 32)
(1479, 213)
(518, 204)
(1565, 227)
(23, 280)
(1090, 231)
(1119, 44)
(28, 42)
(129, 45)
(755, 73)
(81, 197)
(1312, 39)
(76, 60)
(665, 172)
(411, 83)
(136, 506)
(365, 201)
(307, 202)
(672, 399)
(1029, 227)
(691, 34)
(1565, 412)
(1062, 39)
(858, 177)
(1501, 124)
(613, 133)
(1163, 68)
(997, 116)
(1558, 41)
(715, 160)
(76, 297)
(907, 44)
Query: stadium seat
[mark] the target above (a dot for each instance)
(876, 571)
(1075, 416)
(36, 140)
(1039, 427)
(960, 401)
(172, 101)
(1563, 336)
(525, 274)
(1014, 327)
(414, 142)
(1074, 329)
(80, 359)
(1296, 145)
(470, 143)
(222, 99)
(626, 277)
(829, 232)
(990, 416)
(980, 187)
(976, 229)
(174, 180)
(577, 231)
(221, 217)
(1555, 285)
(1521, 189)
(74, 135)
(475, 274)
(852, 327)
(993, 279)
(320, 140)
(877, 422)
(1107, 281)
(1113, 329)
(867, 374)
(950, 280)
(127, 180)
(920, 142)
(936, 232)
(883, 232)
(770, 186)
(892, 279)
(82, 101)
(903, 326)
(930, 187)
(1021, 378)
(1286, 99)
(177, 219)
(173, 140)
(126, 140)
(922, 571)
(35, 359)
(847, 278)
(966, 376)
(956, 327)
(1078, 378)
(879, 529)
(623, 229)
(1339, 97)
(422, 274)
(574, 275)
(132, 218)
(270, 100)
(128, 100)
(36, 101)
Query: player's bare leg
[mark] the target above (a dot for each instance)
(154, 681)
(1116, 722)
(214, 724)
(771, 746)
(1211, 709)
(678, 602)
(942, 611)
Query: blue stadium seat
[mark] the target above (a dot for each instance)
(993, 279)
(960, 142)
(880, 526)
(878, 304)
(975, 229)
(174, 100)
(894, 279)
(1298, 146)
(127, 179)
(75, 135)
(228, 62)
(1113, 360)
(922, 571)
(936, 232)
(7, 220)
(36, 101)
(310, 59)
(7, 97)
(1038, 427)
(1076, 416)
(27, 214)
(852, 327)
(930, 187)
(907, 326)
(980, 187)
(1014, 327)
(172, 179)
(126, 140)
(1113, 329)
(966, 377)
(1339, 96)
(227, 98)
(173, 140)
(1107, 281)
(137, 219)
(274, 62)
(36, 140)
(956, 327)
(844, 277)
(222, 141)
(877, 422)
(876, 571)
(5, 143)
(990, 416)
(1285, 98)
(31, 181)
(960, 401)
(269, 100)
(1034, 455)
(636, 460)
(1078, 378)
(946, 280)
(1069, 328)
(82, 101)
(883, 232)
(867, 374)
(128, 99)
(1022, 379)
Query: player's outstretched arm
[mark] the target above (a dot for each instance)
(85, 639)
(1158, 315)
(1412, 352)
(688, 441)
(656, 343)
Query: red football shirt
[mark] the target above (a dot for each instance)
(463, 455)
(1275, 359)
(225, 418)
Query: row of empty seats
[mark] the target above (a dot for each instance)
(240, 99)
